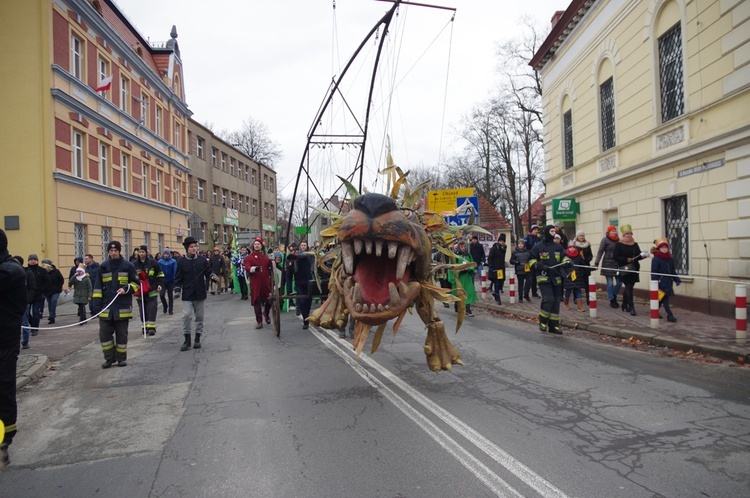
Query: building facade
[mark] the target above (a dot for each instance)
(230, 193)
(93, 132)
(646, 123)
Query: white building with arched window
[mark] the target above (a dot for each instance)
(647, 123)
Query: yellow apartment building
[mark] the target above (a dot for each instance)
(647, 122)
(230, 193)
(93, 132)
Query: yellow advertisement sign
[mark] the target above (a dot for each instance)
(445, 200)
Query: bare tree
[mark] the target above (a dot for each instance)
(254, 141)
(288, 220)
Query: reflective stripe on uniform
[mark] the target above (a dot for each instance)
(106, 346)
(121, 348)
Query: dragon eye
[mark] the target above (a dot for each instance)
(409, 213)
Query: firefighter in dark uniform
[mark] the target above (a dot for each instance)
(116, 281)
(151, 278)
(548, 262)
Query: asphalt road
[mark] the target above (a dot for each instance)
(250, 414)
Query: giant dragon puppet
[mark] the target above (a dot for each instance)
(383, 268)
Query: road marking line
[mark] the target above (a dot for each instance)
(525, 474)
(498, 486)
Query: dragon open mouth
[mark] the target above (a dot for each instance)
(376, 278)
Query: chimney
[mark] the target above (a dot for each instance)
(556, 17)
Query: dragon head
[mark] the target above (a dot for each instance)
(384, 258)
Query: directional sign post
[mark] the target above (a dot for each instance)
(465, 206)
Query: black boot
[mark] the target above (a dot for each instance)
(4, 457)
(671, 318)
(197, 343)
(185, 345)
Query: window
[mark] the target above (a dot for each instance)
(177, 135)
(270, 184)
(247, 172)
(225, 235)
(255, 207)
(157, 123)
(253, 177)
(213, 157)
(670, 74)
(202, 234)
(201, 190)
(78, 154)
(146, 182)
(676, 224)
(147, 238)
(159, 186)
(231, 166)
(215, 196)
(224, 198)
(103, 71)
(240, 170)
(76, 57)
(79, 239)
(144, 109)
(265, 210)
(103, 163)
(124, 94)
(607, 94)
(160, 242)
(126, 242)
(199, 147)
(125, 172)
(232, 198)
(247, 204)
(106, 238)
(265, 182)
(568, 138)
(223, 161)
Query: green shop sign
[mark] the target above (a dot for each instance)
(564, 209)
(301, 230)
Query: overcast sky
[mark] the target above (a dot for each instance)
(273, 60)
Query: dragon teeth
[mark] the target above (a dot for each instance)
(358, 243)
(368, 246)
(402, 288)
(357, 293)
(358, 308)
(378, 247)
(404, 258)
(380, 307)
(347, 252)
(392, 249)
(365, 308)
(395, 298)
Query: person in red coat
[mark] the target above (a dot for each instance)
(259, 267)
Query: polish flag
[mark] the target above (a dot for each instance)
(104, 84)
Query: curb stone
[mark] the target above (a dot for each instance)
(30, 367)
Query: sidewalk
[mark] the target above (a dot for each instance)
(694, 331)
(699, 332)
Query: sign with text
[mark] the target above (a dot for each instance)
(564, 209)
(445, 200)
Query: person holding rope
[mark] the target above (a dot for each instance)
(627, 254)
(151, 277)
(83, 291)
(663, 270)
(12, 309)
(609, 265)
(191, 280)
(547, 261)
(116, 282)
